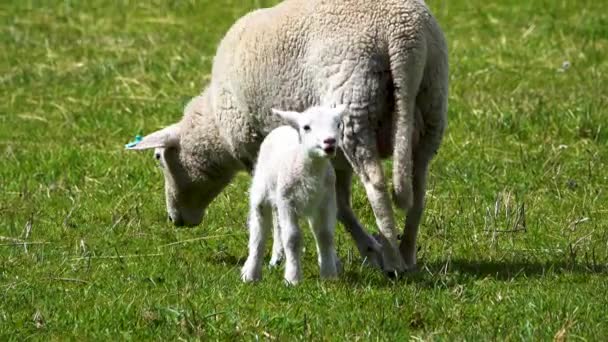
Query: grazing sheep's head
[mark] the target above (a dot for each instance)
(319, 128)
(190, 167)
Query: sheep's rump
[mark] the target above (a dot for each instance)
(303, 53)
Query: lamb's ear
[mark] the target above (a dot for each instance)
(291, 118)
(166, 137)
(339, 110)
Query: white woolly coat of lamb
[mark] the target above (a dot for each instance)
(294, 179)
(385, 59)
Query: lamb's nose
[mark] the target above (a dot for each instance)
(329, 141)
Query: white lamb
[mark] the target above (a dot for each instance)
(386, 60)
(294, 177)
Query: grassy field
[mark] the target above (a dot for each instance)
(513, 244)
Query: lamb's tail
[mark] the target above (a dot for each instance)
(407, 57)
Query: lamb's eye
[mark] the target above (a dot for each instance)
(157, 155)
(306, 128)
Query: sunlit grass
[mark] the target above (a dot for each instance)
(513, 244)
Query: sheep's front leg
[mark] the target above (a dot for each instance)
(359, 146)
(259, 226)
(369, 248)
(292, 242)
(323, 226)
(277, 244)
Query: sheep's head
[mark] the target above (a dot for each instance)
(190, 167)
(319, 128)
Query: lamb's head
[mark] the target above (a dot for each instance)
(190, 165)
(319, 128)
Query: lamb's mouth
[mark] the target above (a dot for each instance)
(330, 150)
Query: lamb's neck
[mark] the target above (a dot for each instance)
(312, 165)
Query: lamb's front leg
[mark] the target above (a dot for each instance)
(323, 226)
(277, 244)
(259, 226)
(292, 242)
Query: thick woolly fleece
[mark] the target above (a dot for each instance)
(385, 59)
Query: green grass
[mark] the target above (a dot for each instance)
(79, 78)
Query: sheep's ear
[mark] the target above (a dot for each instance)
(166, 137)
(290, 118)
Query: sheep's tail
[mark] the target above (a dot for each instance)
(407, 58)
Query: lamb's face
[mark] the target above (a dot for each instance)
(319, 128)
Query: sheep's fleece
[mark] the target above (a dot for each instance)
(385, 59)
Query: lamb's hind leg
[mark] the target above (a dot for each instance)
(323, 226)
(259, 227)
(292, 243)
(277, 243)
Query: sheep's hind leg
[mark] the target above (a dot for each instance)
(369, 248)
(433, 105)
(359, 146)
(259, 227)
(277, 244)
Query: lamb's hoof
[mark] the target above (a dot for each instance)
(250, 274)
(275, 262)
(249, 278)
(292, 276)
(292, 281)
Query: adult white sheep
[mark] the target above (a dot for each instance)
(294, 178)
(385, 59)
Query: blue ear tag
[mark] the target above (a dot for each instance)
(138, 139)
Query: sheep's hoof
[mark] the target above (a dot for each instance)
(330, 271)
(392, 274)
(332, 277)
(339, 268)
(408, 254)
(392, 261)
(371, 252)
(403, 199)
(395, 275)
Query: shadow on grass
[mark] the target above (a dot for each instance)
(507, 270)
(449, 273)
(222, 258)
